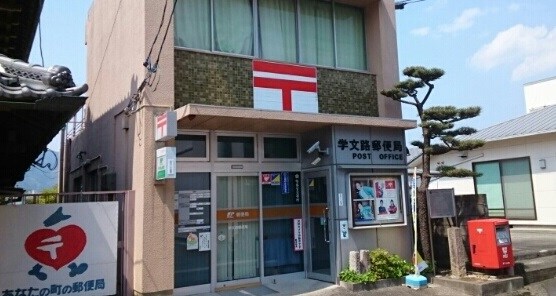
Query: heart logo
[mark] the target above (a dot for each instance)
(56, 248)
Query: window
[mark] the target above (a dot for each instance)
(316, 32)
(191, 146)
(191, 258)
(192, 24)
(281, 148)
(508, 188)
(233, 26)
(282, 206)
(236, 147)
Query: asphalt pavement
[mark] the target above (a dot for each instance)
(525, 241)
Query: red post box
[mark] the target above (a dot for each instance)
(490, 243)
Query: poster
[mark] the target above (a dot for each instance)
(375, 200)
(204, 241)
(192, 241)
(298, 234)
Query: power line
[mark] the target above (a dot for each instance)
(40, 44)
(147, 60)
(165, 33)
(106, 48)
(401, 4)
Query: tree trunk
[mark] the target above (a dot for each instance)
(423, 223)
(422, 209)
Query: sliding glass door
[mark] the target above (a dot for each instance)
(237, 235)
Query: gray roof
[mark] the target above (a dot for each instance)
(20, 81)
(541, 121)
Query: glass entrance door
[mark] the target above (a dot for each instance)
(320, 237)
(237, 228)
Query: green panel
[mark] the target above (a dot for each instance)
(518, 189)
(489, 183)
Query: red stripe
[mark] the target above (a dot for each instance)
(284, 84)
(160, 123)
(287, 100)
(277, 68)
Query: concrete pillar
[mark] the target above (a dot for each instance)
(364, 256)
(154, 214)
(354, 263)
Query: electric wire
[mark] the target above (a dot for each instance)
(157, 33)
(165, 33)
(40, 44)
(93, 88)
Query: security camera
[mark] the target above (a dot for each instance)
(314, 147)
(317, 160)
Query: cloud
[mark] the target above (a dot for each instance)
(423, 31)
(464, 21)
(514, 7)
(529, 50)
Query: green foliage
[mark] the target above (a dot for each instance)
(422, 73)
(48, 195)
(387, 265)
(452, 172)
(383, 265)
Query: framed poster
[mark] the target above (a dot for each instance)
(376, 200)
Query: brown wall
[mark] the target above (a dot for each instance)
(119, 36)
(221, 80)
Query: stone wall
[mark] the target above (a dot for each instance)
(221, 80)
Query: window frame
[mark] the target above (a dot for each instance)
(299, 48)
(207, 150)
(278, 136)
(234, 159)
(499, 162)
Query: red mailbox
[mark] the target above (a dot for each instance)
(490, 243)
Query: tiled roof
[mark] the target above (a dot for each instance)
(20, 81)
(541, 121)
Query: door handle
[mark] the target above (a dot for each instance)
(325, 225)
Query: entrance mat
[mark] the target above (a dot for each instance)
(251, 291)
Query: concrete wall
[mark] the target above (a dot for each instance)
(539, 94)
(119, 36)
(536, 148)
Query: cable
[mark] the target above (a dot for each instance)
(147, 60)
(165, 34)
(93, 88)
(40, 44)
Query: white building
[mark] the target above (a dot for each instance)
(517, 163)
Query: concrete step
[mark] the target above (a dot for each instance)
(536, 269)
(531, 254)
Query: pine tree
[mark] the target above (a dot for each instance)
(439, 136)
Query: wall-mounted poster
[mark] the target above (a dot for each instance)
(376, 200)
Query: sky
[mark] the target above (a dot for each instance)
(488, 48)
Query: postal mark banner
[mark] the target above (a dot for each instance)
(284, 87)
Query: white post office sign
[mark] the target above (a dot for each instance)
(58, 249)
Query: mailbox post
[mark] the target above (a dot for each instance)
(490, 243)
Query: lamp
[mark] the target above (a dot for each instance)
(542, 163)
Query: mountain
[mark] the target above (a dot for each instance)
(38, 178)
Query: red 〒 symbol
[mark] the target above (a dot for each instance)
(56, 248)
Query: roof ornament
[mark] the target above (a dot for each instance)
(20, 80)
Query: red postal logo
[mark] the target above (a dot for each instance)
(56, 248)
